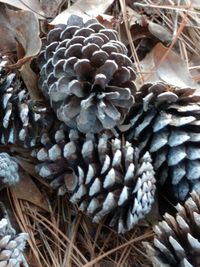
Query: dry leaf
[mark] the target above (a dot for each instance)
(153, 216)
(106, 20)
(27, 190)
(164, 65)
(195, 3)
(27, 163)
(172, 69)
(83, 8)
(50, 8)
(31, 5)
(31, 81)
(19, 27)
(141, 27)
(160, 32)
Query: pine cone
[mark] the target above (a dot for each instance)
(177, 240)
(21, 119)
(86, 75)
(8, 170)
(166, 122)
(11, 245)
(58, 153)
(107, 177)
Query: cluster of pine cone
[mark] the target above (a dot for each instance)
(105, 141)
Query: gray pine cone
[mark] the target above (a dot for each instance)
(58, 153)
(21, 119)
(106, 177)
(11, 245)
(166, 122)
(8, 170)
(177, 239)
(86, 75)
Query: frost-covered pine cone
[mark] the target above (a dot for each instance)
(86, 75)
(106, 177)
(166, 122)
(8, 170)
(177, 239)
(11, 245)
(21, 119)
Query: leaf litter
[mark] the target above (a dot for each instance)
(167, 35)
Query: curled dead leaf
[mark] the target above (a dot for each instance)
(83, 8)
(19, 27)
(162, 64)
(19, 32)
(31, 81)
(30, 5)
(160, 32)
(141, 26)
(172, 68)
(50, 8)
(106, 20)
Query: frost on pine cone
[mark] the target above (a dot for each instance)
(166, 122)
(8, 170)
(107, 177)
(21, 119)
(11, 245)
(177, 240)
(86, 75)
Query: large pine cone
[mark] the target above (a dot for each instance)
(11, 245)
(177, 240)
(107, 177)
(86, 75)
(166, 122)
(21, 119)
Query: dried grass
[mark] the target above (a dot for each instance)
(65, 238)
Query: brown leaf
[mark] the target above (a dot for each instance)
(162, 64)
(138, 32)
(153, 216)
(19, 27)
(31, 5)
(31, 81)
(171, 68)
(83, 8)
(106, 20)
(27, 190)
(141, 26)
(50, 8)
(26, 162)
(160, 32)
